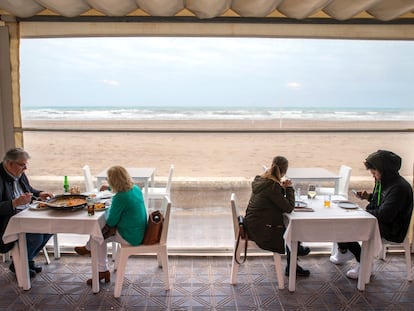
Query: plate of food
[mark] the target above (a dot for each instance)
(301, 206)
(38, 206)
(67, 202)
(348, 205)
(102, 205)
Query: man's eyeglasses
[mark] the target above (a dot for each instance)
(22, 165)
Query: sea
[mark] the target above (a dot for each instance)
(217, 113)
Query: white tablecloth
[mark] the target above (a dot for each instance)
(52, 221)
(334, 224)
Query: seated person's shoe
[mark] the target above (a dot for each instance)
(340, 258)
(34, 267)
(32, 273)
(81, 250)
(353, 273)
(303, 250)
(106, 275)
(299, 271)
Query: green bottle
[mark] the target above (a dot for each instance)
(66, 184)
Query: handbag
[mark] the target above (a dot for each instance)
(154, 228)
(242, 235)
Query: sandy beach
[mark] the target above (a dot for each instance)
(209, 154)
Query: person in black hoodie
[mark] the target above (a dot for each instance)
(270, 198)
(391, 202)
(15, 193)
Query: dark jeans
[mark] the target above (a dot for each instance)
(35, 243)
(353, 247)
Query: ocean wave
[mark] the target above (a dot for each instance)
(91, 113)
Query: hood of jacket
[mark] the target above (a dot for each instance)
(260, 183)
(387, 163)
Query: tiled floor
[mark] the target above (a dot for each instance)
(202, 283)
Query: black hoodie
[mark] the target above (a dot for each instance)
(392, 199)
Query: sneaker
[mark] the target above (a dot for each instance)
(32, 273)
(35, 267)
(81, 250)
(299, 271)
(340, 258)
(353, 273)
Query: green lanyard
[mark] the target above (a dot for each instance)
(378, 189)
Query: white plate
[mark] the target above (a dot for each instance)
(35, 207)
(300, 204)
(348, 205)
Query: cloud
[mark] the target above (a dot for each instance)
(294, 85)
(111, 82)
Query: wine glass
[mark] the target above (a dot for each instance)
(311, 191)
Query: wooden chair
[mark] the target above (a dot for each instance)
(160, 249)
(343, 186)
(250, 246)
(158, 193)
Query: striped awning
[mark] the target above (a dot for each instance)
(335, 10)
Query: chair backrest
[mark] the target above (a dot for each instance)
(345, 173)
(88, 178)
(165, 225)
(169, 181)
(234, 214)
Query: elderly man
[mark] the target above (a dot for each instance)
(15, 194)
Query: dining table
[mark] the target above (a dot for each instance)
(313, 174)
(49, 220)
(343, 221)
(143, 175)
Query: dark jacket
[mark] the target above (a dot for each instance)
(6, 206)
(392, 199)
(264, 214)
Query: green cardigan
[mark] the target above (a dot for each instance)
(129, 215)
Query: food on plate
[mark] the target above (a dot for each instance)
(41, 205)
(99, 205)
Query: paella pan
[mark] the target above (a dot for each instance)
(67, 202)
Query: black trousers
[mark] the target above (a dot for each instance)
(353, 247)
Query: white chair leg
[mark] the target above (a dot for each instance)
(123, 258)
(46, 255)
(114, 250)
(164, 259)
(234, 267)
(279, 270)
(408, 258)
(56, 247)
(6, 257)
(116, 263)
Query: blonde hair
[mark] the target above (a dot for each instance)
(119, 180)
(277, 170)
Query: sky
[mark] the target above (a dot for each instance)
(216, 72)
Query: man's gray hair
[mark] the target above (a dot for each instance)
(15, 154)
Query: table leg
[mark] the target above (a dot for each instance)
(365, 266)
(292, 268)
(22, 264)
(95, 272)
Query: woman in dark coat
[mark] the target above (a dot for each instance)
(270, 198)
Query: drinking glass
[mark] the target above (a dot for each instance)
(311, 191)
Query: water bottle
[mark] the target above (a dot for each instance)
(66, 184)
